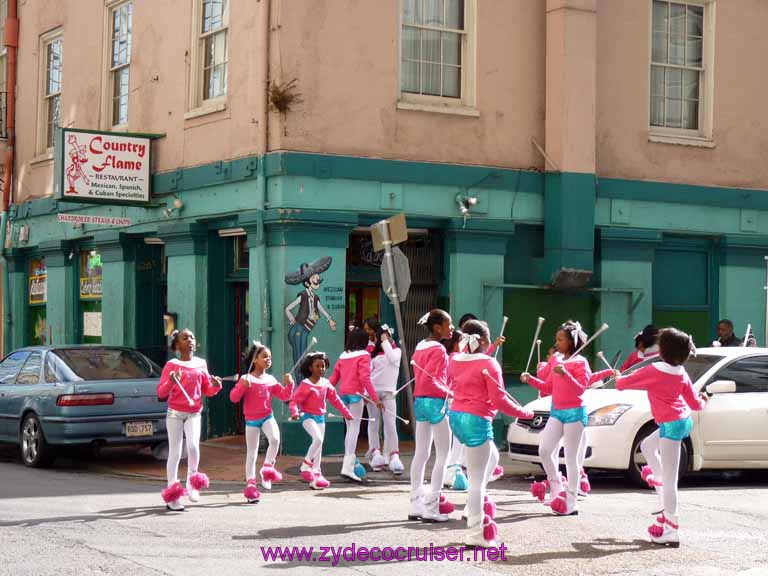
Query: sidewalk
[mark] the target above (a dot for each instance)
(223, 460)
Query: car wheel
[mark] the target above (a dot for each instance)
(637, 460)
(35, 450)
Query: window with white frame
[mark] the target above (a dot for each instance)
(212, 50)
(436, 40)
(680, 67)
(50, 102)
(120, 27)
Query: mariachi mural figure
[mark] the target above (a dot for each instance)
(77, 157)
(308, 303)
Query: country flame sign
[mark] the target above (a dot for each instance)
(103, 167)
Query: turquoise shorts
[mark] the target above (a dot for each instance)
(470, 429)
(428, 409)
(676, 430)
(259, 422)
(570, 415)
(350, 398)
(320, 419)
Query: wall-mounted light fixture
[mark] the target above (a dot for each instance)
(178, 206)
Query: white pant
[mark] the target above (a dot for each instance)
(425, 432)
(390, 425)
(180, 424)
(458, 453)
(481, 460)
(317, 433)
(663, 456)
(252, 436)
(583, 449)
(549, 445)
(353, 427)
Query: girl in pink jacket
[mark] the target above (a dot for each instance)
(353, 370)
(430, 361)
(256, 389)
(672, 397)
(478, 394)
(308, 404)
(184, 382)
(567, 377)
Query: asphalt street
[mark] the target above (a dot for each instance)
(72, 521)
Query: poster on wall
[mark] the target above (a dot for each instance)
(92, 324)
(306, 309)
(90, 275)
(102, 167)
(38, 281)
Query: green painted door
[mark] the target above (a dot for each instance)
(151, 297)
(685, 288)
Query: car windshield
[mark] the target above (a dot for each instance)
(104, 364)
(696, 366)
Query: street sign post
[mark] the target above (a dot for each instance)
(396, 280)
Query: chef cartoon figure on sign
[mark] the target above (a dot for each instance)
(77, 157)
(308, 303)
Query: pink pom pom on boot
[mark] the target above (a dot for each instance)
(539, 490)
(251, 491)
(584, 485)
(173, 493)
(445, 506)
(269, 475)
(498, 472)
(306, 471)
(199, 481)
(319, 482)
(489, 507)
(490, 530)
(650, 479)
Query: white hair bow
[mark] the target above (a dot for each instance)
(423, 319)
(386, 328)
(578, 334)
(469, 342)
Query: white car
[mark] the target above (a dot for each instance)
(730, 433)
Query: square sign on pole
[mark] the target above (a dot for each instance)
(396, 232)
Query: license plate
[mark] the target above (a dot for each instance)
(138, 429)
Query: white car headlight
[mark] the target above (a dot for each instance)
(607, 415)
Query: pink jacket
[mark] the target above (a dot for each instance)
(636, 357)
(478, 394)
(566, 389)
(354, 371)
(669, 388)
(310, 398)
(430, 374)
(257, 393)
(194, 378)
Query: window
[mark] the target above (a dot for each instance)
(681, 67)
(30, 374)
(51, 70)
(437, 50)
(38, 297)
(750, 374)
(120, 25)
(90, 296)
(9, 367)
(211, 51)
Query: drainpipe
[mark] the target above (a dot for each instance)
(262, 190)
(11, 41)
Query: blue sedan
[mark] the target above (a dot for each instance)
(78, 395)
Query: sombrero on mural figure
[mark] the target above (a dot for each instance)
(306, 271)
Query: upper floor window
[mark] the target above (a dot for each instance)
(51, 46)
(437, 50)
(120, 26)
(681, 63)
(213, 39)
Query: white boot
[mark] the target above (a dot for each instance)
(175, 506)
(348, 469)
(665, 534)
(432, 510)
(395, 466)
(482, 531)
(416, 508)
(378, 462)
(565, 504)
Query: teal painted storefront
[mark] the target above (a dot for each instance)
(653, 251)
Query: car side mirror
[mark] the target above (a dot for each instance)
(721, 387)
